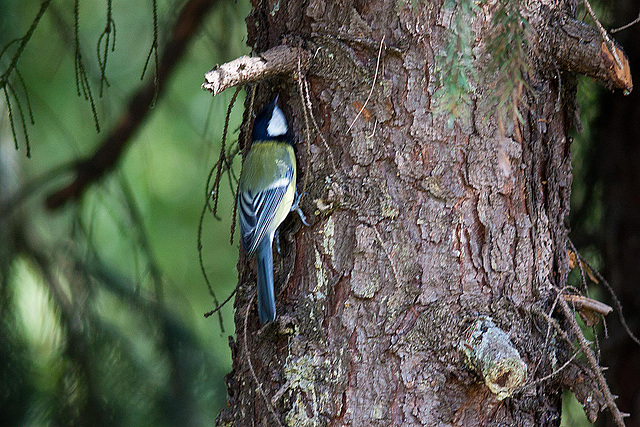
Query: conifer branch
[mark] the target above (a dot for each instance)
(94, 167)
(4, 78)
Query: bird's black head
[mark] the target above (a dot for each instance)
(270, 124)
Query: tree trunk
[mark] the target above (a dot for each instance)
(434, 233)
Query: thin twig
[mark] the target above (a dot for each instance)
(604, 34)
(616, 301)
(110, 27)
(4, 78)
(373, 132)
(215, 191)
(153, 50)
(624, 27)
(248, 356)
(373, 85)
(249, 123)
(83, 87)
(315, 125)
(553, 322)
(26, 95)
(546, 377)
(548, 334)
(22, 118)
(244, 150)
(222, 304)
(591, 359)
(13, 126)
(307, 132)
(582, 274)
(201, 263)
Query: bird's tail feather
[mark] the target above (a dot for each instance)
(266, 296)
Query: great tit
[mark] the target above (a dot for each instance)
(266, 195)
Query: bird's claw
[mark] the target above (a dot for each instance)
(296, 207)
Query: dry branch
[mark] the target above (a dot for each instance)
(582, 302)
(279, 60)
(593, 363)
(579, 48)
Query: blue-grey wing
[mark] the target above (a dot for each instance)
(257, 211)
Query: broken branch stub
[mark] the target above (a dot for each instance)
(579, 48)
(279, 60)
(490, 353)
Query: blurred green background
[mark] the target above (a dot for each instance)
(119, 352)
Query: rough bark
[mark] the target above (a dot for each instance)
(419, 231)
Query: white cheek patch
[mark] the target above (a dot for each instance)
(282, 182)
(278, 124)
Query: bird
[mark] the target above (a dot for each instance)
(266, 195)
